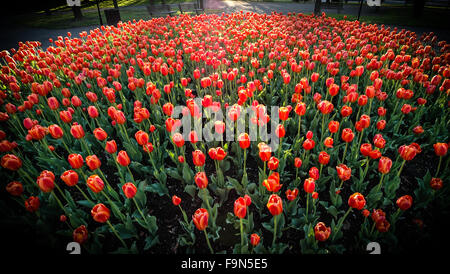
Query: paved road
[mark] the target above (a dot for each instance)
(10, 34)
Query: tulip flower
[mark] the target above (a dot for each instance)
(441, 150)
(46, 181)
(70, 177)
(272, 183)
(321, 232)
(75, 160)
(95, 183)
(275, 206)
(141, 137)
(176, 200)
(93, 162)
(200, 219)
(404, 202)
(201, 180)
(273, 162)
(100, 213)
(254, 239)
(55, 131)
(122, 158)
(436, 183)
(11, 162)
(291, 195)
(32, 204)
(129, 190)
(198, 158)
(100, 134)
(80, 234)
(14, 188)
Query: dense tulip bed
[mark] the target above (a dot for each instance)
(90, 150)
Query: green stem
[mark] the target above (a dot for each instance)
(439, 166)
(207, 241)
(242, 235)
(381, 181)
(341, 221)
(117, 235)
(274, 230)
(345, 151)
(401, 168)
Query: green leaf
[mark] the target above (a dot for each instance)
(157, 188)
(191, 190)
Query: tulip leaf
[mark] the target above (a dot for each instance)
(86, 203)
(191, 190)
(157, 188)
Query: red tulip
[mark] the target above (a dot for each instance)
(32, 204)
(176, 200)
(440, 149)
(436, 183)
(357, 201)
(407, 152)
(272, 183)
(280, 132)
(244, 140)
(46, 181)
(240, 208)
(77, 131)
(309, 185)
(11, 162)
(93, 162)
(291, 194)
(122, 158)
(321, 232)
(75, 160)
(129, 190)
(92, 112)
(70, 177)
(141, 137)
(80, 234)
(264, 152)
(347, 135)
(198, 158)
(95, 183)
(344, 172)
(201, 180)
(100, 213)
(404, 202)
(324, 158)
(254, 239)
(55, 131)
(273, 162)
(333, 126)
(200, 218)
(314, 173)
(297, 162)
(111, 146)
(283, 113)
(309, 144)
(14, 188)
(384, 165)
(275, 205)
(178, 140)
(328, 142)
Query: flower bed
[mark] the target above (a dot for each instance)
(232, 133)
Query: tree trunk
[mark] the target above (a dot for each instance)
(116, 6)
(77, 12)
(317, 7)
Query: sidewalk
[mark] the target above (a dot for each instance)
(10, 34)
